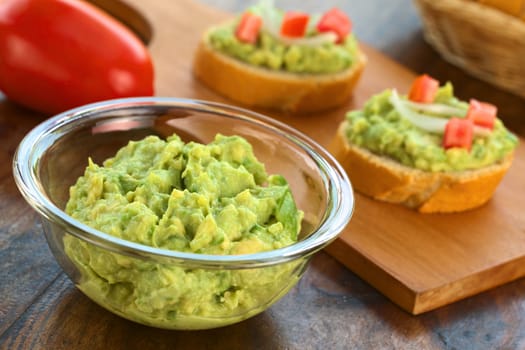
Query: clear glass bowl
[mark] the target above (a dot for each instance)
(178, 290)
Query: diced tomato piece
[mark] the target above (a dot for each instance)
(458, 133)
(482, 113)
(294, 24)
(248, 28)
(335, 21)
(423, 89)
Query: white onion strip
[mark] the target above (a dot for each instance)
(437, 108)
(481, 131)
(271, 18)
(313, 41)
(272, 21)
(422, 121)
(431, 124)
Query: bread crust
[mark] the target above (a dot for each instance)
(254, 86)
(428, 192)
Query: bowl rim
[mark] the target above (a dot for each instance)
(339, 189)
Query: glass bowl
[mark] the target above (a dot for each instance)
(167, 288)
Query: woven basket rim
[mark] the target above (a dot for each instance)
(476, 13)
(486, 42)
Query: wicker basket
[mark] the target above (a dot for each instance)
(485, 42)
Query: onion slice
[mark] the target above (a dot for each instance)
(434, 125)
(271, 17)
(272, 20)
(437, 108)
(422, 121)
(314, 41)
(481, 131)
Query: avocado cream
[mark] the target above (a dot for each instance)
(207, 199)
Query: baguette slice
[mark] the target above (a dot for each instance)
(254, 86)
(428, 192)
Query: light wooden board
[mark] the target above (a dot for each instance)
(419, 261)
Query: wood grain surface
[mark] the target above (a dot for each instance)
(331, 308)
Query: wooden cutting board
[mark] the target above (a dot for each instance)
(419, 261)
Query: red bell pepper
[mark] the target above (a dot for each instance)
(60, 54)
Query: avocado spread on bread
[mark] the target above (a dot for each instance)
(380, 128)
(288, 41)
(270, 53)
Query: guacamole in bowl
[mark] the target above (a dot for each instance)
(189, 197)
(181, 214)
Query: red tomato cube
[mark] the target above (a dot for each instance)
(294, 24)
(248, 28)
(482, 113)
(458, 133)
(335, 21)
(424, 89)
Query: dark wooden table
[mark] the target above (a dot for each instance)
(330, 308)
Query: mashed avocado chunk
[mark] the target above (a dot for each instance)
(272, 54)
(207, 199)
(379, 128)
